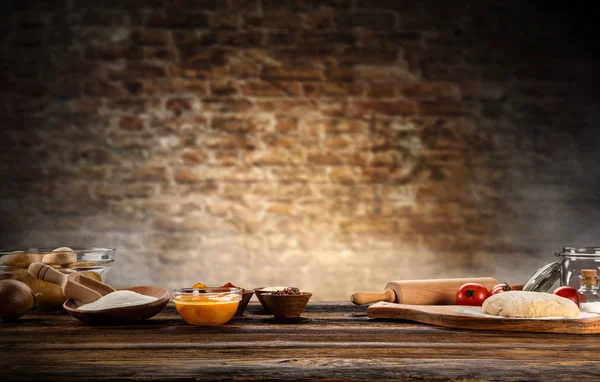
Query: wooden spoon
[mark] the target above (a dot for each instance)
(77, 286)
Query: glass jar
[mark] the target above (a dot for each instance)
(566, 271)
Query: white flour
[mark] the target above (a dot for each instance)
(118, 299)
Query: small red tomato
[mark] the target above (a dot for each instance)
(567, 292)
(471, 294)
(500, 288)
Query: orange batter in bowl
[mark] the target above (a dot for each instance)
(207, 308)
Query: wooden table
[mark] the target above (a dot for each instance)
(331, 341)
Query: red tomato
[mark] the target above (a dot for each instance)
(567, 292)
(500, 288)
(472, 294)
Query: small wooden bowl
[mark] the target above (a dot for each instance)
(125, 315)
(287, 306)
(259, 292)
(246, 296)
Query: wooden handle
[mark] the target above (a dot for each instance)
(46, 273)
(435, 291)
(361, 298)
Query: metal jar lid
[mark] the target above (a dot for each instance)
(543, 279)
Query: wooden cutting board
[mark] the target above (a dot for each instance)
(470, 317)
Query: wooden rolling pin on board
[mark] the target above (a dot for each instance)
(421, 292)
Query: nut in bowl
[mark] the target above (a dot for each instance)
(287, 303)
(207, 306)
(92, 262)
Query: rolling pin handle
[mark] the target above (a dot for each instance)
(362, 298)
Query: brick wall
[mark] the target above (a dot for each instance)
(334, 145)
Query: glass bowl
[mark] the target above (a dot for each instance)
(92, 262)
(207, 306)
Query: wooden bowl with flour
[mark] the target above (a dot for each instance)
(122, 315)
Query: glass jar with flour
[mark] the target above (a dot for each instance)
(566, 271)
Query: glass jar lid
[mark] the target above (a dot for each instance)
(543, 279)
(579, 251)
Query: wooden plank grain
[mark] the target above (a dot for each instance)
(333, 341)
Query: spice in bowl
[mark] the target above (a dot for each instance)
(207, 306)
(286, 303)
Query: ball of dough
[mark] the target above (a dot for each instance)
(60, 256)
(20, 259)
(529, 305)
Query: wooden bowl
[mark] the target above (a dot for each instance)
(287, 306)
(259, 292)
(246, 296)
(125, 315)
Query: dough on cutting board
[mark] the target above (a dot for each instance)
(529, 305)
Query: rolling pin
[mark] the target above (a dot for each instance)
(421, 292)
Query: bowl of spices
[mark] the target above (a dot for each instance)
(124, 306)
(263, 290)
(207, 306)
(287, 303)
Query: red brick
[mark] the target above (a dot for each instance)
(429, 90)
(227, 105)
(157, 174)
(230, 142)
(385, 226)
(344, 174)
(223, 88)
(275, 20)
(140, 70)
(179, 105)
(227, 158)
(287, 73)
(286, 124)
(131, 122)
(232, 38)
(152, 37)
(316, 89)
(177, 19)
(132, 105)
(267, 158)
(103, 88)
(225, 20)
(195, 157)
(340, 73)
(243, 70)
(380, 89)
(370, 20)
(199, 4)
(246, 5)
(280, 142)
(271, 89)
(398, 107)
(325, 159)
(443, 108)
(235, 125)
(185, 175)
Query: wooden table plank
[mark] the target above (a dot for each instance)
(332, 341)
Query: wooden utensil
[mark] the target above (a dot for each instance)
(469, 317)
(123, 315)
(421, 292)
(75, 285)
